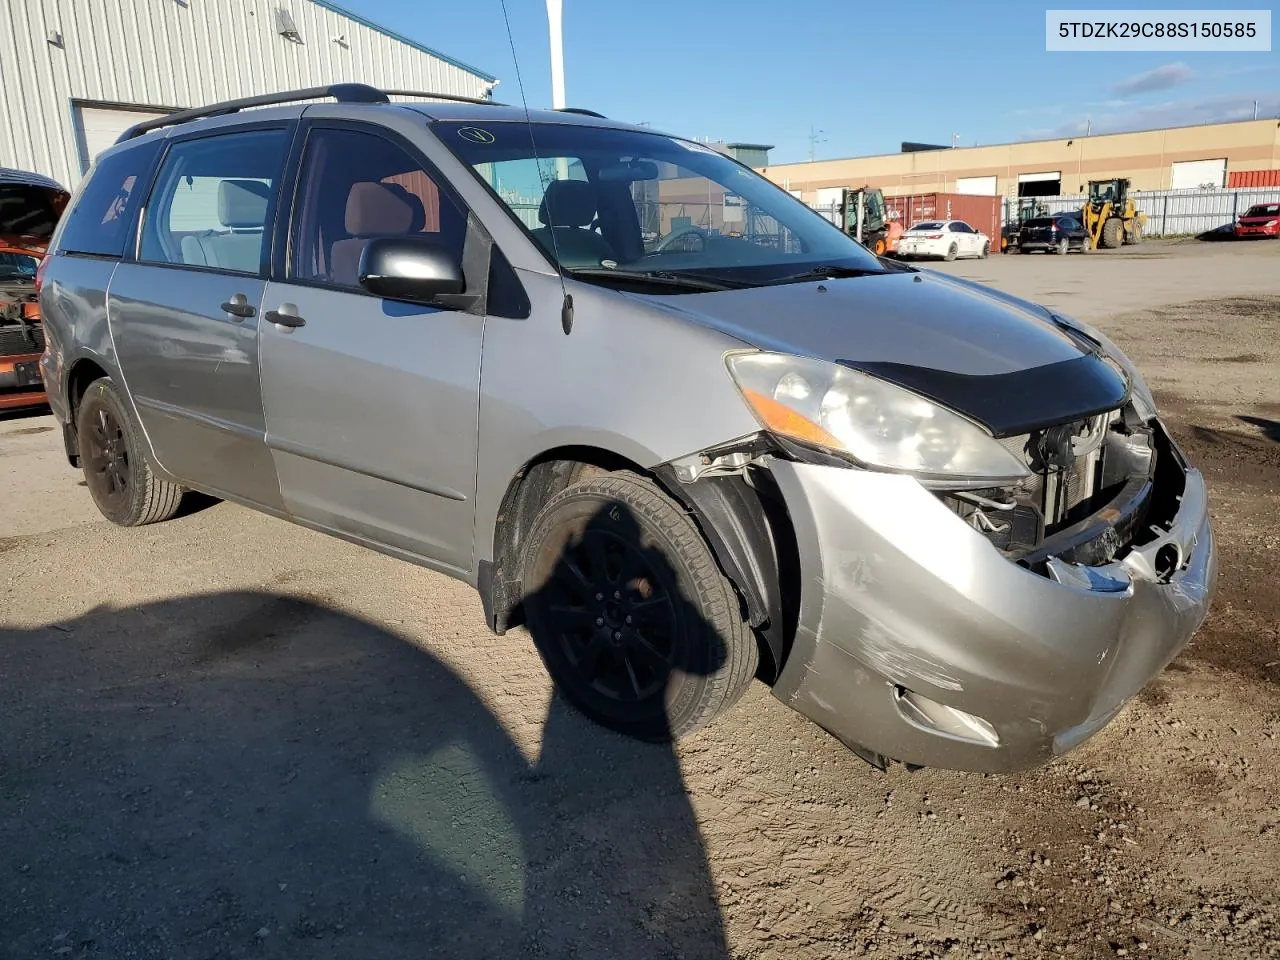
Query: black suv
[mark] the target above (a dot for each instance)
(1058, 234)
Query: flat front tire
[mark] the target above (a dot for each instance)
(120, 479)
(636, 624)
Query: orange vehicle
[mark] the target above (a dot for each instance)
(30, 207)
(868, 221)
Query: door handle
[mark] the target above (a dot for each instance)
(239, 307)
(286, 316)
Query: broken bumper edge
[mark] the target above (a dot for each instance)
(917, 640)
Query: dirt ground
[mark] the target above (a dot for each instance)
(226, 736)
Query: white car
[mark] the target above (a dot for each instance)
(947, 239)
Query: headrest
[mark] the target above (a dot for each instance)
(374, 208)
(243, 203)
(568, 203)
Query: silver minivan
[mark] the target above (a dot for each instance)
(652, 407)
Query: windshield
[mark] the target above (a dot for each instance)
(928, 225)
(1042, 222)
(17, 265)
(1264, 210)
(598, 199)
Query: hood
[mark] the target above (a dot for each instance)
(30, 207)
(993, 357)
(922, 319)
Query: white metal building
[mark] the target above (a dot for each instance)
(74, 74)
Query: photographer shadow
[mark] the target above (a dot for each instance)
(245, 773)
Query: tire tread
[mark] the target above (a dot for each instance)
(721, 605)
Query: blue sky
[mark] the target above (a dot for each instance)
(867, 76)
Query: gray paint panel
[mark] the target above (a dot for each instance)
(73, 304)
(193, 373)
(898, 591)
(630, 379)
(920, 319)
(371, 417)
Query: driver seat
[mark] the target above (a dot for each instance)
(567, 209)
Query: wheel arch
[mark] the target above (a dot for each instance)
(80, 374)
(745, 526)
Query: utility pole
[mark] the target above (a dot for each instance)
(955, 139)
(1255, 109)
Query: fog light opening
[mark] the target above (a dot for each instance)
(938, 718)
(1168, 561)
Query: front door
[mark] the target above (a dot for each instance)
(185, 317)
(371, 404)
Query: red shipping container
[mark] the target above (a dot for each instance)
(981, 213)
(1254, 178)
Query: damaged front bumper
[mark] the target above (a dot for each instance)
(919, 641)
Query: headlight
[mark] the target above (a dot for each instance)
(870, 421)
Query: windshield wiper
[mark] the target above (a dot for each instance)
(828, 272)
(657, 278)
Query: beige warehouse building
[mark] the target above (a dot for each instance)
(1210, 155)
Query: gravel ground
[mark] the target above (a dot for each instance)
(225, 736)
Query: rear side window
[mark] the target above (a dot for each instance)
(212, 202)
(99, 222)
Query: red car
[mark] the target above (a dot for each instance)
(1260, 220)
(30, 206)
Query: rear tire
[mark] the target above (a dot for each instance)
(120, 479)
(634, 621)
(951, 252)
(1134, 234)
(1063, 246)
(1112, 233)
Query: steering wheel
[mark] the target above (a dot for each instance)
(668, 244)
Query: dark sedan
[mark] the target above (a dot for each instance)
(1060, 234)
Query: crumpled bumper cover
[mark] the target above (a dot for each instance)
(903, 604)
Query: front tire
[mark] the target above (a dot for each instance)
(986, 251)
(120, 479)
(1112, 234)
(634, 621)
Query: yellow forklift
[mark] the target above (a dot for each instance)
(1110, 216)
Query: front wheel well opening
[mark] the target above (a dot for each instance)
(536, 482)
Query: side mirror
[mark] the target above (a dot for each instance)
(413, 268)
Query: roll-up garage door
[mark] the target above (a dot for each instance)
(97, 128)
(1047, 183)
(976, 186)
(1198, 174)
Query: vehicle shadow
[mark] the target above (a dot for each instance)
(246, 773)
(1270, 428)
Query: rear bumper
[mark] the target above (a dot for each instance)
(917, 640)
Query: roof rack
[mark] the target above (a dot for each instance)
(342, 92)
(582, 110)
(451, 97)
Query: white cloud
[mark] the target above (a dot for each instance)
(1159, 78)
(1169, 113)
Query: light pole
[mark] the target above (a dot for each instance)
(555, 20)
(555, 23)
